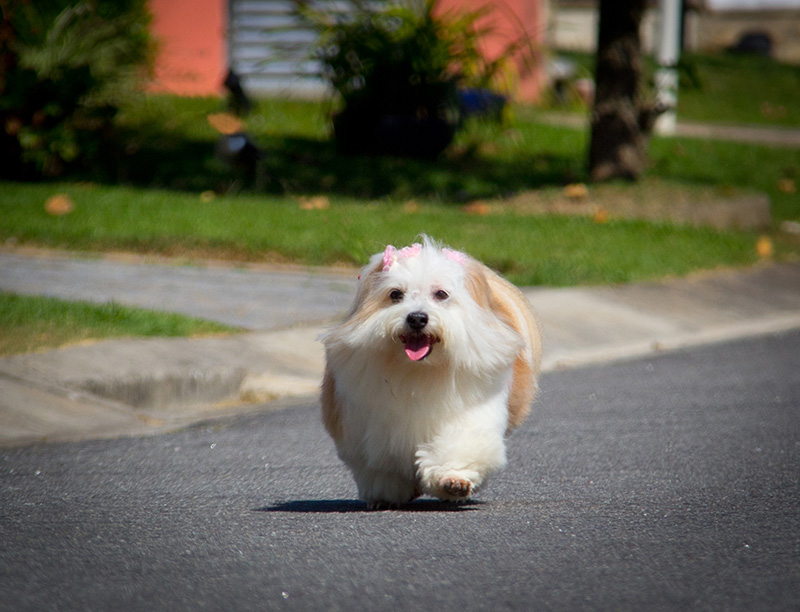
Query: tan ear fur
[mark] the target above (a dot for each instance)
(367, 303)
(477, 284)
(523, 392)
(367, 280)
(509, 303)
(361, 310)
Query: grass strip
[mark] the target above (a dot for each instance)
(529, 249)
(38, 323)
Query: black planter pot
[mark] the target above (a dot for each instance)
(400, 135)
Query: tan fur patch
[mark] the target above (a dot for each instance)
(367, 302)
(523, 391)
(370, 304)
(513, 307)
(331, 409)
(477, 285)
(366, 287)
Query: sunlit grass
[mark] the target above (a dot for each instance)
(530, 249)
(37, 323)
(728, 88)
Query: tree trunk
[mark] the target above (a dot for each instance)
(618, 144)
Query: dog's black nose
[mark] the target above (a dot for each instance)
(417, 320)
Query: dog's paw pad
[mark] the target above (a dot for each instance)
(454, 487)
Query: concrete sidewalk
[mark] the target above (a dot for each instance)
(131, 387)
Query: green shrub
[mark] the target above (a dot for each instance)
(395, 61)
(65, 69)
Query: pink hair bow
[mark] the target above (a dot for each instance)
(456, 256)
(391, 254)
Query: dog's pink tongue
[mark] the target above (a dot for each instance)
(418, 347)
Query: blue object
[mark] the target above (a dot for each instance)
(477, 102)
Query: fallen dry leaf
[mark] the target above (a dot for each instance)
(764, 247)
(314, 203)
(207, 196)
(225, 123)
(601, 216)
(148, 420)
(412, 206)
(772, 112)
(477, 208)
(787, 185)
(576, 191)
(59, 205)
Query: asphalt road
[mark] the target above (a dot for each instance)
(667, 483)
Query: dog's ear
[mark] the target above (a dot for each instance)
(511, 306)
(367, 280)
(477, 284)
(374, 266)
(369, 275)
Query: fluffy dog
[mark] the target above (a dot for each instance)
(437, 361)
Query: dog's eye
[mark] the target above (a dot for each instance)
(441, 295)
(396, 295)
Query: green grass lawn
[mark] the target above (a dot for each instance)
(746, 90)
(725, 88)
(529, 249)
(406, 197)
(34, 323)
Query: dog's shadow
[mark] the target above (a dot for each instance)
(342, 506)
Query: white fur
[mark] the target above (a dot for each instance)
(435, 426)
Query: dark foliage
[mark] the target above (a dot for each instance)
(65, 69)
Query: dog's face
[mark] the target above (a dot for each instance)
(418, 290)
(424, 304)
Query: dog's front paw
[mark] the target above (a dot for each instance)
(449, 484)
(454, 488)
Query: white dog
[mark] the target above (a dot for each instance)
(437, 361)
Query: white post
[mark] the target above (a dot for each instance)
(667, 73)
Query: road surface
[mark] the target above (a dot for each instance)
(665, 483)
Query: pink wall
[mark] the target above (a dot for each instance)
(507, 21)
(192, 57)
